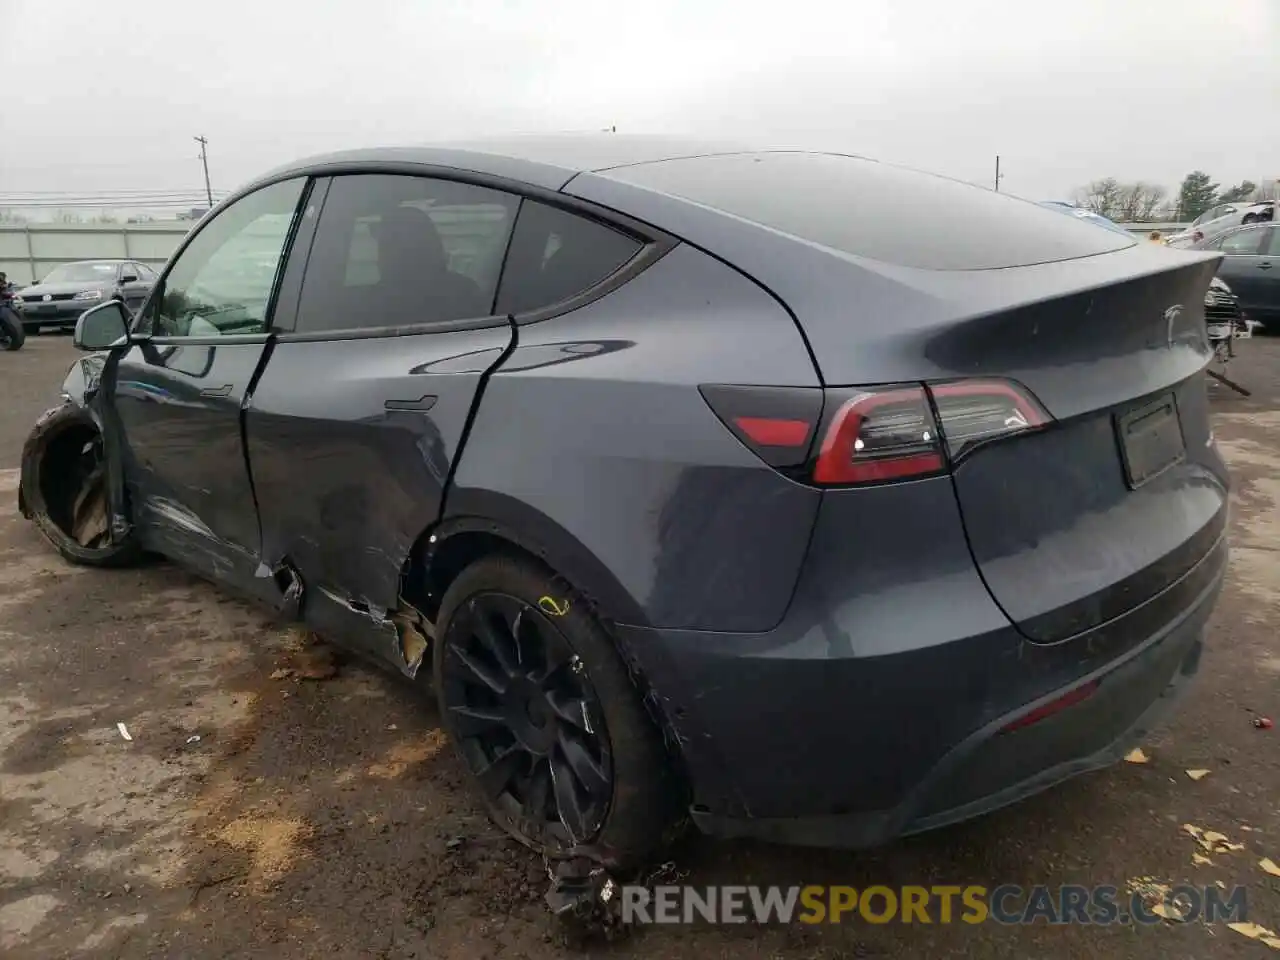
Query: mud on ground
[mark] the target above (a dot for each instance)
(320, 812)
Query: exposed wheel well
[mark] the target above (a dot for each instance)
(61, 475)
(431, 572)
(433, 566)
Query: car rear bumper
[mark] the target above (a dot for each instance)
(787, 742)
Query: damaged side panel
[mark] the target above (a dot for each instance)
(349, 474)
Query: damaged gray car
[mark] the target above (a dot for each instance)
(755, 488)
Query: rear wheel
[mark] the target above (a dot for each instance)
(546, 718)
(12, 333)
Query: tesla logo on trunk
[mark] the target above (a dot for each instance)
(1172, 315)
(47, 296)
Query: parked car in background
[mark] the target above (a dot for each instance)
(1251, 267)
(72, 288)
(1225, 216)
(690, 480)
(1085, 214)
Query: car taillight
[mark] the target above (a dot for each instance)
(974, 411)
(883, 434)
(879, 434)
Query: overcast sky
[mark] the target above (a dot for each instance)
(108, 96)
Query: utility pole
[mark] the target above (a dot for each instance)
(204, 159)
(998, 175)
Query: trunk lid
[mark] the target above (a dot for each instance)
(1123, 493)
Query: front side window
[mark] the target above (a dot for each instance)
(393, 251)
(222, 282)
(556, 255)
(1243, 243)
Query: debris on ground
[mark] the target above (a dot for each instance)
(1257, 932)
(1269, 866)
(124, 731)
(194, 738)
(1197, 774)
(313, 663)
(1262, 723)
(1211, 840)
(1136, 756)
(583, 897)
(1200, 860)
(1156, 895)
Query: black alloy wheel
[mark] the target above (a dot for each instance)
(528, 721)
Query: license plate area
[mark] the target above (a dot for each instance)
(1150, 440)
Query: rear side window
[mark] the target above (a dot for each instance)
(556, 255)
(876, 210)
(394, 251)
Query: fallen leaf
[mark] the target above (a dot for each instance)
(1212, 836)
(1197, 774)
(281, 674)
(1256, 932)
(1199, 859)
(1136, 756)
(1269, 865)
(1167, 912)
(1192, 829)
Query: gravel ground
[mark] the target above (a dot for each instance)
(319, 815)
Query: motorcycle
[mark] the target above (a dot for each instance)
(12, 334)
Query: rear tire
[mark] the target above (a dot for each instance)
(555, 701)
(12, 332)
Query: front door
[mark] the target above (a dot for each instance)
(134, 286)
(359, 416)
(178, 392)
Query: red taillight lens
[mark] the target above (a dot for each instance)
(878, 435)
(872, 434)
(972, 412)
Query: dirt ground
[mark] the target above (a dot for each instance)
(320, 814)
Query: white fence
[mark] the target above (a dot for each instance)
(29, 251)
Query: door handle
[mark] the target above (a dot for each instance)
(421, 405)
(1265, 265)
(222, 391)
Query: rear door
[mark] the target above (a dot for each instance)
(356, 423)
(1242, 265)
(178, 394)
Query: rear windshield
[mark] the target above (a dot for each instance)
(876, 210)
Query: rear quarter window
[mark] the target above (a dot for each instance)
(876, 210)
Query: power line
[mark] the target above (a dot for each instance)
(103, 205)
(105, 192)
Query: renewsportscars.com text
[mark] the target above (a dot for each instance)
(971, 904)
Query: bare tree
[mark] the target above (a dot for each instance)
(10, 216)
(1101, 196)
(1152, 196)
(1125, 202)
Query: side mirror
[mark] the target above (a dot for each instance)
(102, 326)
(129, 278)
